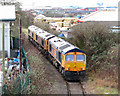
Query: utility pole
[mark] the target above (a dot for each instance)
(3, 55)
(20, 44)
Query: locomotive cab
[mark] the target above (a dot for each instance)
(75, 61)
(74, 65)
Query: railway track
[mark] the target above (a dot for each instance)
(82, 87)
(75, 88)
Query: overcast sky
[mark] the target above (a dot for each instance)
(60, 3)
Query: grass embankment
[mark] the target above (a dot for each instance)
(25, 31)
(96, 85)
(37, 69)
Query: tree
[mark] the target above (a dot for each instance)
(94, 38)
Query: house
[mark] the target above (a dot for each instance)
(7, 14)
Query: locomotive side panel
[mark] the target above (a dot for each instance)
(54, 53)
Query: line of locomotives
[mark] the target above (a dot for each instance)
(70, 60)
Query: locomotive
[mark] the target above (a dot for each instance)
(67, 58)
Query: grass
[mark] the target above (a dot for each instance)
(100, 86)
(107, 90)
(25, 31)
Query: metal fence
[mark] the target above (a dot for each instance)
(20, 83)
(15, 43)
(26, 60)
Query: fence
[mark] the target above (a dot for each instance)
(20, 83)
(15, 42)
(26, 60)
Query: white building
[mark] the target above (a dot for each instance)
(7, 14)
(105, 15)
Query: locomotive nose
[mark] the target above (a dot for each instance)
(74, 66)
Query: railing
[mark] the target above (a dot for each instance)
(20, 83)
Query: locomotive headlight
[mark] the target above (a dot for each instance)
(82, 68)
(67, 68)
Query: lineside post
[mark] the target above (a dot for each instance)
(20, 45)
(3, 51)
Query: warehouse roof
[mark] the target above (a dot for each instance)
(7, 13)
(103, 15)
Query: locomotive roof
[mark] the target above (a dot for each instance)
(43, 34)
(63, 46)
(57, 42)
(32, 28)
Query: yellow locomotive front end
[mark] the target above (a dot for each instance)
(75, 61)
(74, 65)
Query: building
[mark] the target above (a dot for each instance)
(106, 15)
(7, 14)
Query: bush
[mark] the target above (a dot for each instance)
(93, 38)
(46, 27)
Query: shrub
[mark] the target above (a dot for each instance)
(95, 39)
